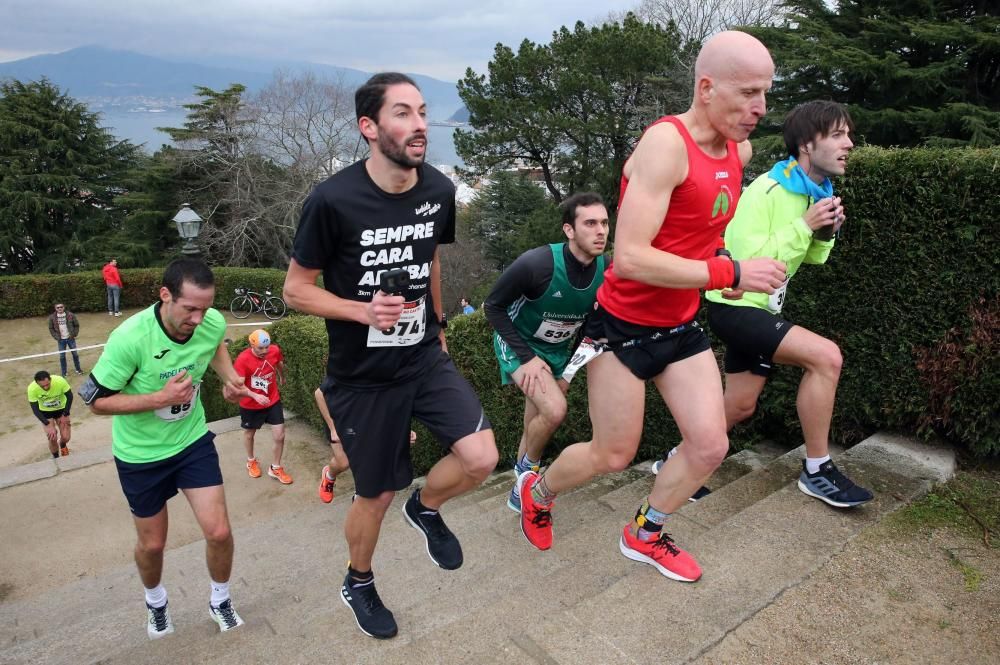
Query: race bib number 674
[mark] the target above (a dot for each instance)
(409, 330)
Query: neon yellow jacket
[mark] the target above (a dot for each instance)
(768, 222)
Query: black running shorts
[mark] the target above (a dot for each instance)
(255, 418)
(374, 426)
(751, 335)
(652, 349)
(148, 486)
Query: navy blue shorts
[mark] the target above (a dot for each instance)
(148, 485)
(374, 426)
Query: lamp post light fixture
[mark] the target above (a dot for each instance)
(188, 226)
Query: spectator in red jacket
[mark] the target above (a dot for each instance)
(113, 281)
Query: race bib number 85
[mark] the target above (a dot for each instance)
(178, 411)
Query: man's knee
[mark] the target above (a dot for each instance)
(219, 533)
(151, 545)
(376, 506)
(479, 460)
(830, 360)
(610, 460)
(708, 450)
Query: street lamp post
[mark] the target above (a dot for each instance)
(188, 226)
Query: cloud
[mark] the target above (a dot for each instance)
(435, 37)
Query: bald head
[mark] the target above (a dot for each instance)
(731, 54)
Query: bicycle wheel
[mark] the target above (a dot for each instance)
(274, 308)
(241, 307)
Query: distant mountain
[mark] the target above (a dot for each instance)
(105, 77)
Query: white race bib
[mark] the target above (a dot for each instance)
(587, 351)
(178, 411)
(51, 404)
(259, 383)
(777, 299)
(409, 330)
(554, 332)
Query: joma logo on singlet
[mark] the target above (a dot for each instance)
(721, 175)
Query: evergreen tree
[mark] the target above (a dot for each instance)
(573, 108)
(511, 215)
(59, 173)
(912, 72)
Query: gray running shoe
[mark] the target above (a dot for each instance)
(833, 487)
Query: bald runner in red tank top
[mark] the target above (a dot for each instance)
(709, 193)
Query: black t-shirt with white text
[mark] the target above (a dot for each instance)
(353, 231)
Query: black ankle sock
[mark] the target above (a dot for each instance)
(358, 576)
(420, 506)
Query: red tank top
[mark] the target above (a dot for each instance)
(700, 207)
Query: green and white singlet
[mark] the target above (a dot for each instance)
(548, 323)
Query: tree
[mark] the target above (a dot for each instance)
(912, 72)
(248, 162)
(572, 109)
(511, 215)
(59, 173)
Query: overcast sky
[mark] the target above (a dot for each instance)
(439, 38)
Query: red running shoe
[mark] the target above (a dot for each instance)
(662, 554)
(325, 486)
(536, 518)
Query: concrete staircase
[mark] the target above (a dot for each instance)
(581, 602)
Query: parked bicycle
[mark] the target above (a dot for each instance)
(249, 302)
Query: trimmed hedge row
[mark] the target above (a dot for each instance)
(911, 294)
(34, 295)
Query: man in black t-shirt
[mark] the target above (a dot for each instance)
(388, 359)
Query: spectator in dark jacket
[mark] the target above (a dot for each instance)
(64, 327)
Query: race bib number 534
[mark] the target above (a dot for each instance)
(409, 330)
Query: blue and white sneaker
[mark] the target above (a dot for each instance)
(833, 487)
(514, 499)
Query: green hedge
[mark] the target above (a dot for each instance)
(34, 295)
(910, 294)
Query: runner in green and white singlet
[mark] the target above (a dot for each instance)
(536, 308)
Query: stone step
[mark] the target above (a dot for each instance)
(579, 602)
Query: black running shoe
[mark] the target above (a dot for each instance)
(701, 493)
(442, 546)
(372, 616)
(833, 487)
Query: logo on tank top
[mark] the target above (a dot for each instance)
(723, 201)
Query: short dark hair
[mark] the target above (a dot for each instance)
(194, 271)
(569, 206)
(368, 99)
(41, 375)
(816, 118)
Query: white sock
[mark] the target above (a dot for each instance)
(250, 459)
(157, 596)
(220, 593)
(814, 463)
(673, 451)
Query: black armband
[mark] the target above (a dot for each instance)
(736, 273)
(91, 390)
(722, 251)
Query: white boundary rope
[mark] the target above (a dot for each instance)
(98, 346)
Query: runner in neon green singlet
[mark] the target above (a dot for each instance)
(140, 358)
